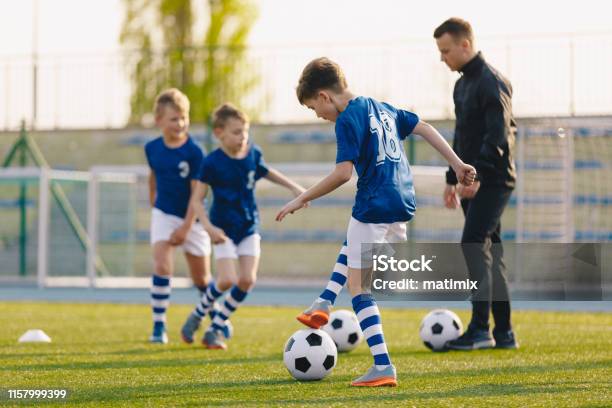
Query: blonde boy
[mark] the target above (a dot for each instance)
(174, 160)
(231, 171)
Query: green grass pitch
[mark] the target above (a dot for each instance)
(100, 354)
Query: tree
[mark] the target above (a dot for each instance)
(164, 52)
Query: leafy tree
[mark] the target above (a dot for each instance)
(166, 51)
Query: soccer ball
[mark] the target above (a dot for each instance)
(310, 354)
(343, 327)
(438, 327)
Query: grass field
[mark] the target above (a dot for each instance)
(100, 354)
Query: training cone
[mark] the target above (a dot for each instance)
(35, 336)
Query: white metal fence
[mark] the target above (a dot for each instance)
(564, 194)
(554, 75)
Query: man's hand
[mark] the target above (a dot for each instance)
(468, 192)
(450, 197)
(291, 207)
(466, 174)
(179, 235)
(217, 235)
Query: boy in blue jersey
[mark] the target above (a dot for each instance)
(174, 160)
(368, 135)
(231, 171)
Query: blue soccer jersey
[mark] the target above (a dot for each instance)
(370, 135)
(174, 168)
(233, 184)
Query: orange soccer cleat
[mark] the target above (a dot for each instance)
(316, 315)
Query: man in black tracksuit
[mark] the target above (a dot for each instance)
(484, 137)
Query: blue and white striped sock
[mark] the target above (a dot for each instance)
(368, 315)
(160, 300)
(229, 306)
(337, 278)
(202, 291)
(207, 300)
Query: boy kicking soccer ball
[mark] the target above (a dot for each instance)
(174, 160)
(368, 135)
(231, 171)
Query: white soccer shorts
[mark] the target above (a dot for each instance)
(163, 225)
(361, 233)
(249, 246)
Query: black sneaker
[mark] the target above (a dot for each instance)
(472, 339)
(505, 340)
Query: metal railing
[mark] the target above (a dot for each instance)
(552, 75)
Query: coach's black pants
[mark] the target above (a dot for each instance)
(483, 252)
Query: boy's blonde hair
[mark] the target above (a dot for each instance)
(171, 97)
(320, 73)
(227, 111)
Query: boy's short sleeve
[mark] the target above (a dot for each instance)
(206, 173)
(406, 121)
(147, 151)
(347, 142)
(262, 168)
(196, 164)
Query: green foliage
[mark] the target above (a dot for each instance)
(165, 50)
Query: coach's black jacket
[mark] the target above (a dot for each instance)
(485, 128)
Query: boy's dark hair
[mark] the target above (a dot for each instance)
(456, 27)
(171, 97)
(320, 73)
(226, 111)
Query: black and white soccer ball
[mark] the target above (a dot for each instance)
(438, 327)
(310, 354)
(343, 327)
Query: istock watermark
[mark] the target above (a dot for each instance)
(386, 263)
(486, 271)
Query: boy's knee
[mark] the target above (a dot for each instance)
(200, 281)
(225, 283)
(163, 269)
(246, 283)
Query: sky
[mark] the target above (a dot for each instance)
(349, 21)
(80, 26)
(90, 28)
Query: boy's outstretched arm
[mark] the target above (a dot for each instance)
(180, 234)
(341, 174)
(152, 187)
(279, 178)
(217, 235)
(466, 174)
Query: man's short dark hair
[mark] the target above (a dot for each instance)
(320, 73)
(456, 27)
